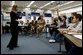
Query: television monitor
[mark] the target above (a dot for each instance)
(19, 14)
(47, 15)
(35, 14)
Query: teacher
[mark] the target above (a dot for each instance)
(13, 28)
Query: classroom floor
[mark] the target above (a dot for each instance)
(31, 45)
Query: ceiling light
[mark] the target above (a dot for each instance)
(31, 3)
(12, 3)
(62, 5)
(47, 4)
(71, 7)
(35, 5)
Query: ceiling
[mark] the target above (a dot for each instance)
(5, 5)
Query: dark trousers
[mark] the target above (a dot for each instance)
(51, 30)
(68, 46)
(75, 50)
(14, 38)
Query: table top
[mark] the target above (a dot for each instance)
(78, 36)
(72, 36)
(77, 42)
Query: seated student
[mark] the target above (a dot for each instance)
(27, 23)
(62, 24)
(51, 30)
(57, 36)
(77, 27)
(41, 24)
(63, 21)
(20, 26)
(78, 23)
(26, 26)
(34, 24)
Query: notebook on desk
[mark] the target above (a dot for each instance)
(78, 36)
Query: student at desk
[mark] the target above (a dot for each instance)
(62, 24)
(40, 24)
(77, 27)
(34, 24)
(51, 30)
(72, 26)
(26, 28)
(20, 26)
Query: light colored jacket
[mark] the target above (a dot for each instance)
(77, 28)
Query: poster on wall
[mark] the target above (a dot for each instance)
(35, 14)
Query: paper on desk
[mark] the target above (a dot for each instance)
(62, 29)
(78, 36)
(73, 33)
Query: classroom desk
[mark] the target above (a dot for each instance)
(77, 42)
(70, 35)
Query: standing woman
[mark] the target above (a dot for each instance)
(14, 28)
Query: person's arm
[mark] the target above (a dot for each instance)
(71, 26)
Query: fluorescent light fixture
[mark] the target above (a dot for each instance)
(31, 3)
(62, 4)
(72, 10)
(71, 7)
(12, 3)
(47, 4)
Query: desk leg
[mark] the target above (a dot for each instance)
(60, 45)
(38, 33)
(46, 32)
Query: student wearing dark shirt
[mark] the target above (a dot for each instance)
(62, 24)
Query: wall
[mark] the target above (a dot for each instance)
(54, 14)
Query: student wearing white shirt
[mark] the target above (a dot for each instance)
(77, 27)
(77, 23)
